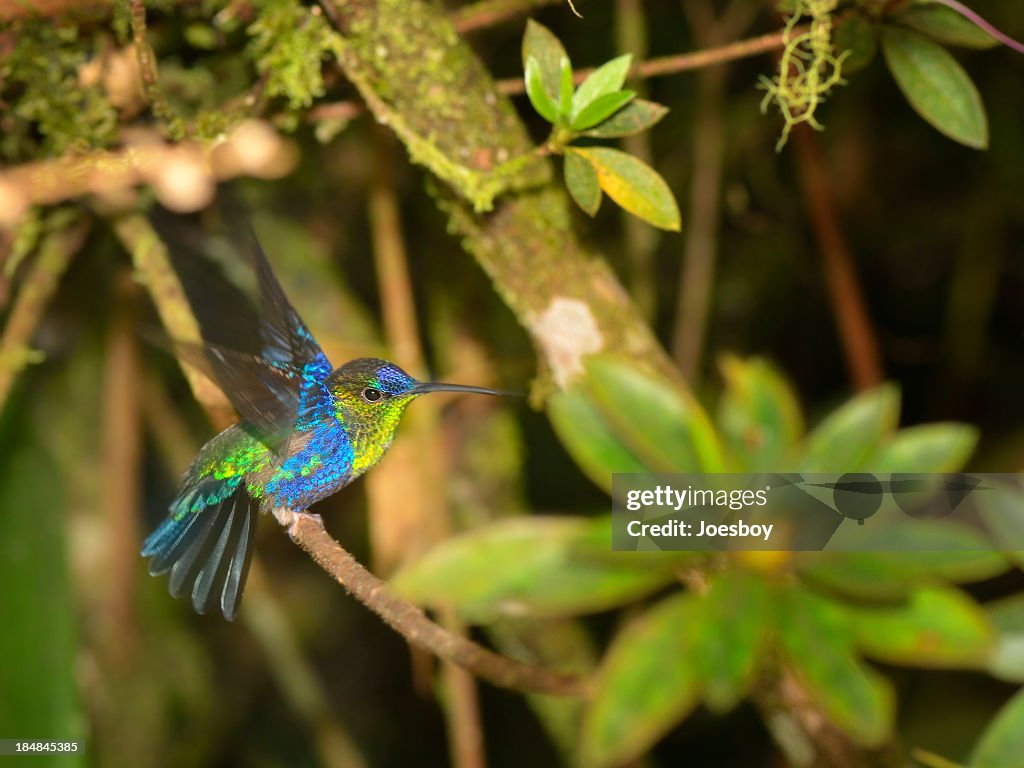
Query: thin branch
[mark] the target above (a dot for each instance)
(858, 337)
(122, 464)
(183, 175)
(701, 246)
(33, 297)
(412, 623)
(488, 13)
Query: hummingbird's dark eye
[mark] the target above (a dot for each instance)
(372, 394)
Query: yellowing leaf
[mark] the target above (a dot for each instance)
(634, 185)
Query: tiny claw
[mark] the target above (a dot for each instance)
(289, 519)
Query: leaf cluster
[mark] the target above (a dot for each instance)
(600, 108)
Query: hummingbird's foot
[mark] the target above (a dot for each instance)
(289, 519)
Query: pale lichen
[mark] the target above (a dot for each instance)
(808, 68)
(566, 332)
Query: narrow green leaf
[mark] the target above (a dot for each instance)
(565, 90)
(581, 181)
(589, 438)
(942, 24)
(735, 623)
(850, 434)
(926, 448)
(859, 38)
(637, 116)
(647, 683)
(818, 642)
(1007, 615)
(937, 627)
(601, 109)
(533, 566)
(38, 695)
(1002, 744)
(660, 423)
(917, 553)
(936, 86)
(1002, 510)
(540, 43)
(537, 94)
(635, 186)
(605, 80)
(759, 415)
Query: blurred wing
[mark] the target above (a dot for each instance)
(257, 348)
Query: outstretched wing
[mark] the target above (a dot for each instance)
(257, 348)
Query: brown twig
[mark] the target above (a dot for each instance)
(35, 293)
(412, 623)
(859, 343)
(701, 245)
(183, 175)
(488, 13)
(122, 457)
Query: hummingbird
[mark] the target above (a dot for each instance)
(306, 430)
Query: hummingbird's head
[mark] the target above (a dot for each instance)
(370, 396)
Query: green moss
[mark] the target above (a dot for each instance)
(51, 112)
(289, 45)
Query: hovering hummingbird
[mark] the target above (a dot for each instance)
(306, 431)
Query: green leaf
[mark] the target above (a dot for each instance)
(917, 553)
(942, 24)
(1007, 615)
(635, 186)
(533, 566)
(581, 181)
(1003, 741)
(1002, 510)
(926, 448)
(937, 627)
(565, 89)
(39, 695)
(850, 434)
(758, 416)
(541, 44)
(660, 423)
(637, 116)
(936, 86)
(601, 109)
(859, 37)
(589, 438)
(735, 620)
(647, 683)
(603, 81)
(818, 642)
(538, 94)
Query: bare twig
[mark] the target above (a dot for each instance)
(859, 344)
(488, 13)
(697, 275)
(122, 457)
(412, 623)
(33, 297)
(183, 175)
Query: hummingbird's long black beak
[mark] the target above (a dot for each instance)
(424, 387)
